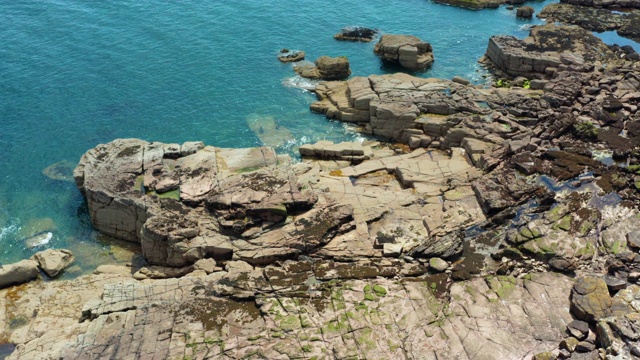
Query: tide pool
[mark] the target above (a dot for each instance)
(75, 73)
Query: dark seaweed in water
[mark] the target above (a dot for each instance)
(6, 350)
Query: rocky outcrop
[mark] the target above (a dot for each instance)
(540, 54)
(405, 50)
(18, 273)
(356, 33)
(525, 12)
(53, 262)
(287, 55)
(326, 68)
(614, 4)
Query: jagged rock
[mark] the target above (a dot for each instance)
(524, 12)
(590, 300)
(287, 55)
(52, 262)
(578, 329)
(408, 51)
(535, 55)
(446, 247)
(18, 273)
(356, 33)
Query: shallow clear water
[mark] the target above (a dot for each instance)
(76, 73)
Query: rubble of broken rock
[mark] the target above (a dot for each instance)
(496, 223)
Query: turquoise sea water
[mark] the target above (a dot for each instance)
(76, 73)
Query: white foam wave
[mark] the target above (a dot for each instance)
(299, 82)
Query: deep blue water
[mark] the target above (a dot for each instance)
(76, 73)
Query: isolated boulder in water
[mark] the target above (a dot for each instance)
(408, 51)
(524, 12)
(18, 273)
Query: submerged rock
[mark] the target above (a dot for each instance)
(62, 170)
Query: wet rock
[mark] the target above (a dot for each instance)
(460, 275)
(18, 273)
(52, 262)
(408, 51)
(287, 55)
(356, 33)
(38, 240)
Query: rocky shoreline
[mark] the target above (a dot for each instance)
(491, 223)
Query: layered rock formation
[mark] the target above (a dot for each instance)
(405, 50)
(326, 68)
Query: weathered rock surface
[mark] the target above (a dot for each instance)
(326, 68)
(52, 262)
(283, 315)
(408, 51)
(18, 273)
(538, 54)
